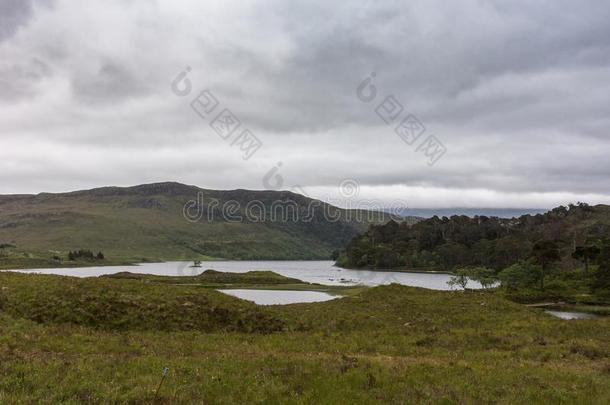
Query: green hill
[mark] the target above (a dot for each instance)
(147, 222)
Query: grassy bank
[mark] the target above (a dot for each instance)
(30, 263)
(107, 340)
(13, 258)
(254, 280)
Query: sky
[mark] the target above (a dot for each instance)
(417, 103)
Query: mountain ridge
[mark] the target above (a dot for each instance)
(148, 222)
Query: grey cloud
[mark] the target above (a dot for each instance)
(110, 83)
(13, 14)
(314, 88)
(16, 13)
(517, 91)
(19, 81)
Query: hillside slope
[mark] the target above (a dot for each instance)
(147, 221)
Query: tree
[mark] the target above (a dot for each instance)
(100, 256)
(483, 275)
(84, 254)
(545, 253)
(521, 274)
(486, 277)
(452, 254)
(459, 280)
(602, 276)
(586, 253)
(386, 258)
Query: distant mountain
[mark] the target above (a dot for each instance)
(148, 221)
(470, 212)
(445, 243)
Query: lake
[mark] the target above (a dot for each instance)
(319, 272)
(279, 297)
(570, 314)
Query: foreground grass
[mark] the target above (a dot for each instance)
(389, 344)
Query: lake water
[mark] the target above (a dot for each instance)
(570, 314)
(280, 297)
(319, 272)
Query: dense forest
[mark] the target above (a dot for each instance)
(569, 237)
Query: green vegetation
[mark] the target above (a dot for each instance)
(448, 243)
(100, 340)
(128, 304)
(212, 277)
(563, 255)
(147, 222)
(255, 280)
(601, 280)
(12, 257)
(107, 339)
(82, 254)
(484, 276)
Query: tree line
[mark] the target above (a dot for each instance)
(564, 238)
(85, 254)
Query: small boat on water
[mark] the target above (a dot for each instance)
(196, 263)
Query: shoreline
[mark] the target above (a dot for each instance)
(46, 266)
(400, 270)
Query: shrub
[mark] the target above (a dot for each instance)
(522, 274)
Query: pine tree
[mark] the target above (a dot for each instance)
(602, 276)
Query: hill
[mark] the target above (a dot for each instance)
(148, 222)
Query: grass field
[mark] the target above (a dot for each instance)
(107, 340)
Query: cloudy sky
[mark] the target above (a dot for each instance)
(516, 92)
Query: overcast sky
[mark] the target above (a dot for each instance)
(518, 92)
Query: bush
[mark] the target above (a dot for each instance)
(559, 286)
(522, 274)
